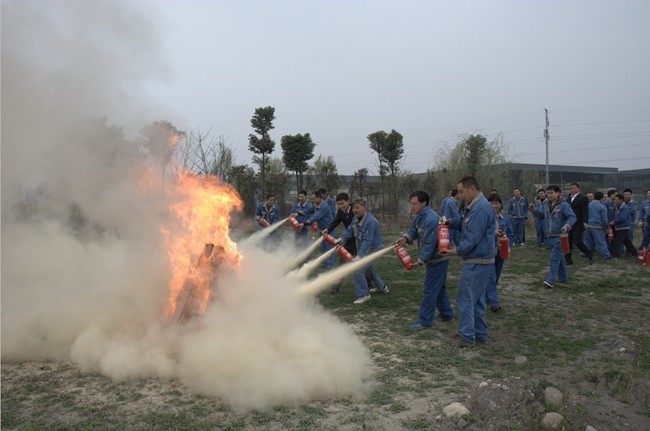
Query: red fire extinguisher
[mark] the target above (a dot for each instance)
(341, 251)
(294, 223)
(610, 233)
(262, 221)
(344, 254)
(314, 227)
(641, 257)
(443, 238)
(404, 257)
(329, 239)
(564, 243)
(504, 247)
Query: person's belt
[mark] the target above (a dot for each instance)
(479, 261)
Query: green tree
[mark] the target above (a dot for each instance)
(473, 155)
(390, 151)
(393, 154)
(242, 178)
(475, 147)
(377, 144)
(297, 150)
(262, 147)
(324, 174)
(358, 184)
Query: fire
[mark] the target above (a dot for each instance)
(202, 243)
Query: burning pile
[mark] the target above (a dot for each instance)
(204, 211)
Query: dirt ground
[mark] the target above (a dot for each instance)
(589, 339)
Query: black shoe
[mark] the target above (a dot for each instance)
(569, 262)
(496, 308)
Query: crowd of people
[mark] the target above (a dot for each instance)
(478, 228)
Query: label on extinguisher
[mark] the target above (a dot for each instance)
(405, 258)
(443, 238)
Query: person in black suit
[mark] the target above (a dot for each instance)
(580, 206)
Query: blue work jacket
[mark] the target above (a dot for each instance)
(477, 226)
(556, 217)
(367, 233)
(597, 215)
(424, 229)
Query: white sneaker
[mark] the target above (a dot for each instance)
(362, 299)
(375, 290)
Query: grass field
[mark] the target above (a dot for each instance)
(589, 338)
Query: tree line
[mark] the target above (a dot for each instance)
(203, 153)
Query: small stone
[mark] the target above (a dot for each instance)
(553, 396)
(461, 424)
(455, 410)
(552, 421)
(590, 428)
(622, 349)
(482, 384)
(519, 360)
(492, 405)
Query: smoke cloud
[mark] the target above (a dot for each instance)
(84, 274)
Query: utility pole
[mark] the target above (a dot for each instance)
(546, 137)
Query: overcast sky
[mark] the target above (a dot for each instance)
(340, 70)
(432, 70)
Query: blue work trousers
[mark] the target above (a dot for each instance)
(595, 240)
(540, 235)
(361, 282)
(435, 294)
(557, 266)
(470, 301)
(519, 229)
(491, 295)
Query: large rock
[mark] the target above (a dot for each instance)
(553, 396)
(455, 410)
(552, 421)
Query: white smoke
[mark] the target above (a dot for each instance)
(84, 275)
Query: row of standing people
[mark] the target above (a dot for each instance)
(595, 213)
(477, 226)
(361, 234)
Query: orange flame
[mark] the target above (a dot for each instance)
(204, 211)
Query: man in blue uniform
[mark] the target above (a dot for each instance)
(301, 210)
(558, 217)
(621, 225)
(518, 211)
(644, 217)
(597, 227)
(366, 230)
(503, 229)
(476, 248)
(323, 217)
(424, 230)
(540, 234)
(267, 210)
